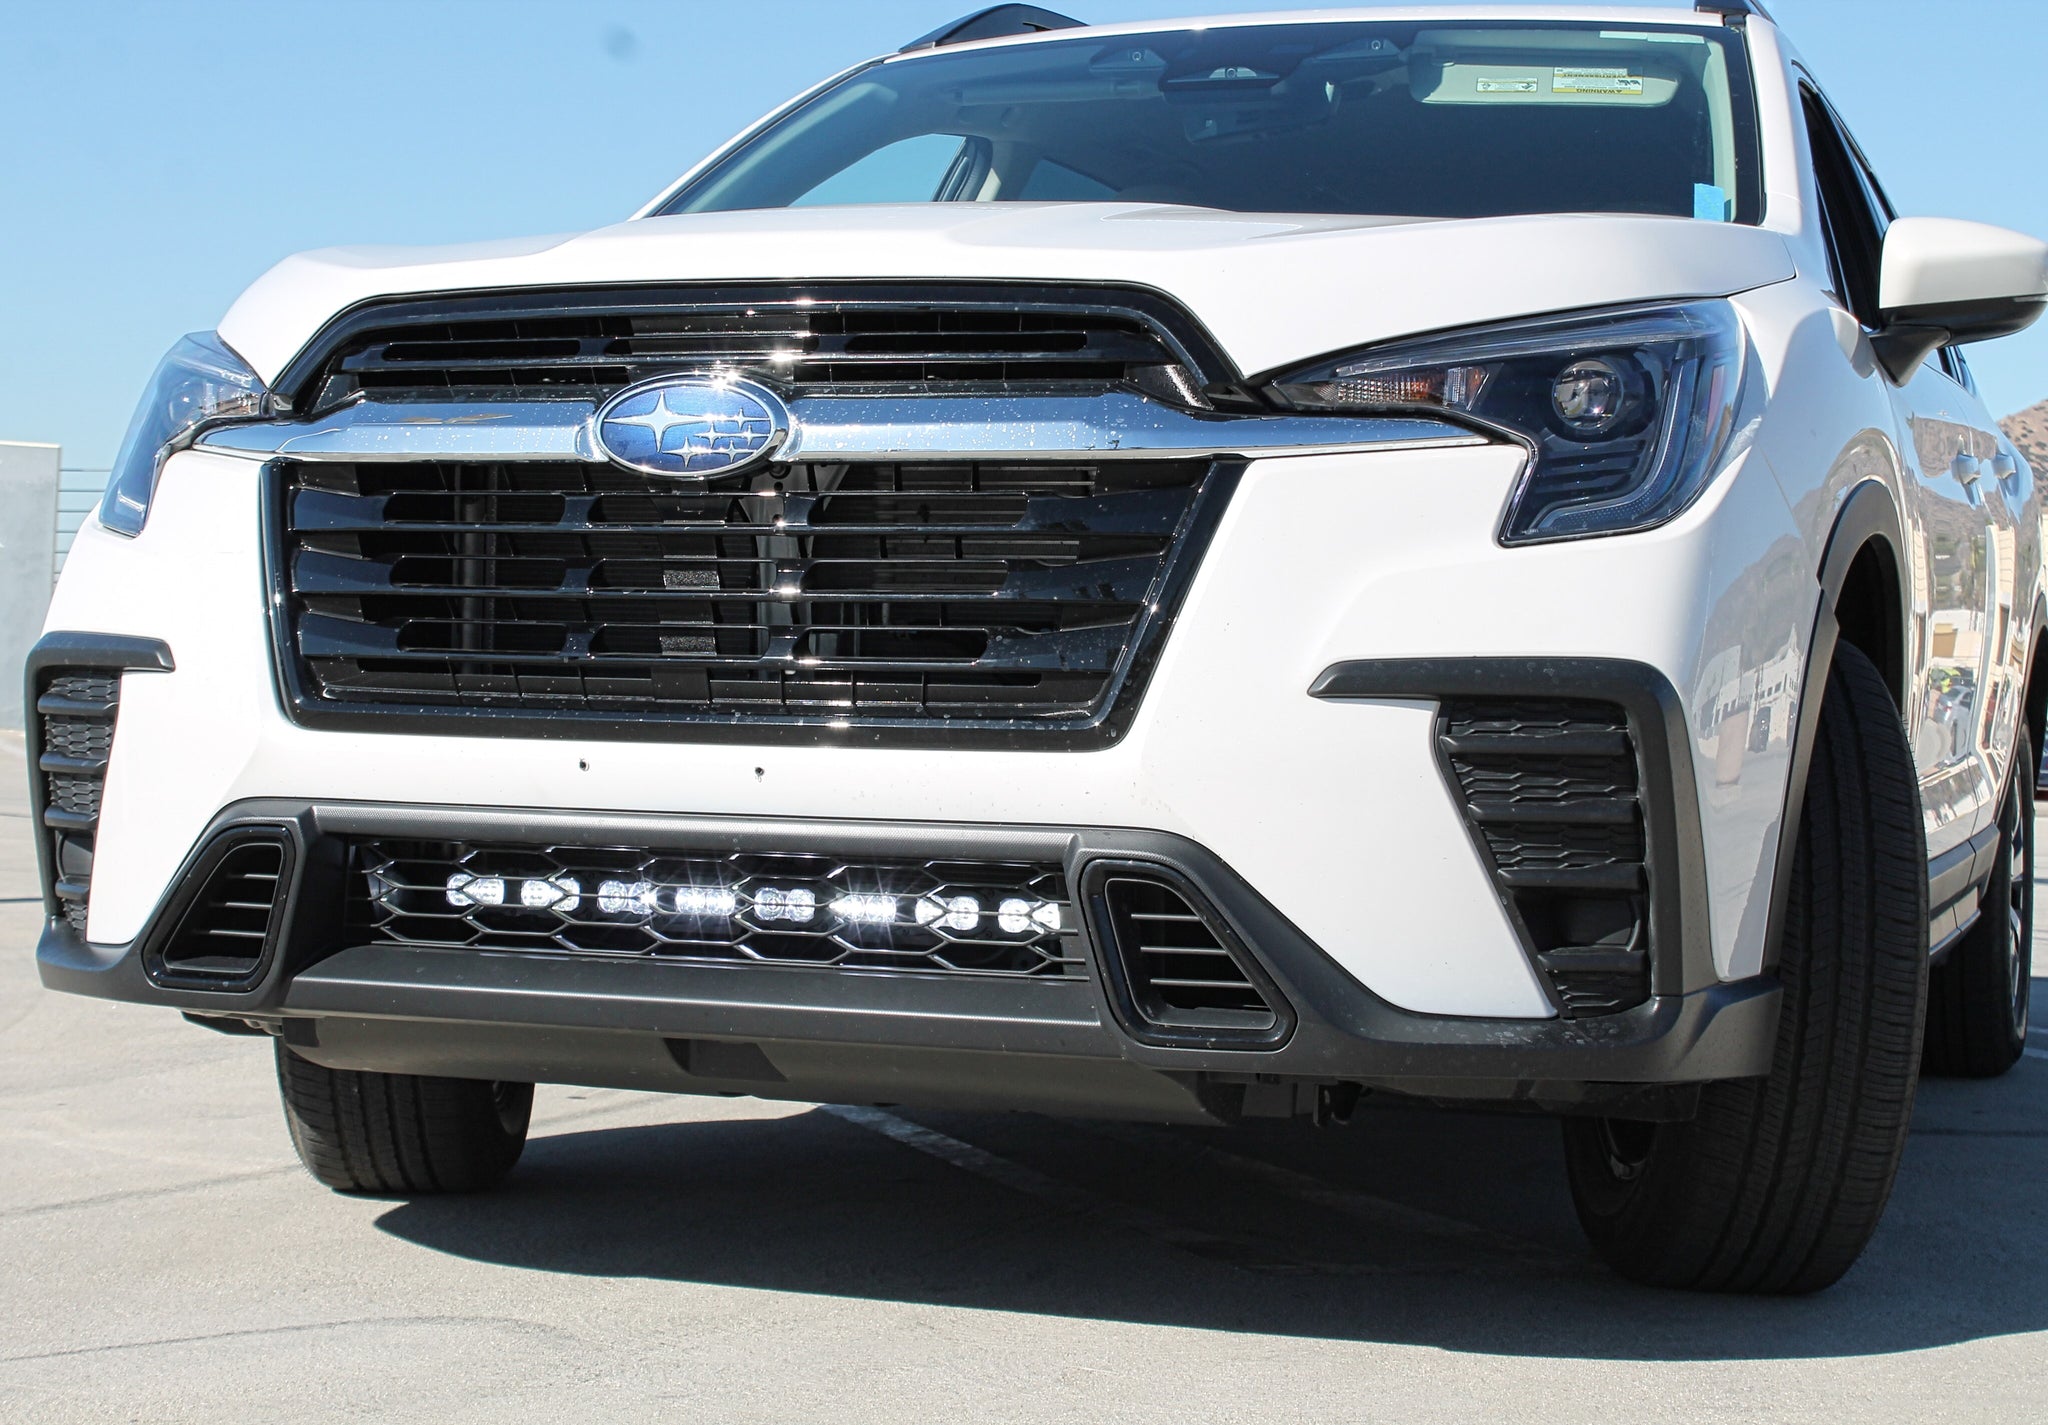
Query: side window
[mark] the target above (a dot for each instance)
(1963, 373)
(1853, 212)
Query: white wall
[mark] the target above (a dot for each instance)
(78, 495)
(28, 549)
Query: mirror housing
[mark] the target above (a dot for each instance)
(1944, 281)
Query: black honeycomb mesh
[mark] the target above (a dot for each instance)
(68, 737)
(75, 711)
(1550, 787)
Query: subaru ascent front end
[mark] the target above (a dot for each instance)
(1170, 572)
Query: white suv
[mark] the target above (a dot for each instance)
(1179, 571)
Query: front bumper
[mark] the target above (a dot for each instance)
(1056, 1044)
(1333, 810)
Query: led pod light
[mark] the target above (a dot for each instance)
(563, 893)
(1627, 414)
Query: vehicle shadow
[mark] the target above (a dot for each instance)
(1415, 1227)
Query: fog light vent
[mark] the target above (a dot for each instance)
(223, 933)
(75, 710)
(1549, 787)
(1179, 977)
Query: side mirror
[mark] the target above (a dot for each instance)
(1944, 281)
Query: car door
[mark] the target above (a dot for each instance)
(1963, 524)
(1951, 419)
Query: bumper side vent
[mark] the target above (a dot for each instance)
(1178, 976)
(76, 709)
(1551, 792)
(222, 935)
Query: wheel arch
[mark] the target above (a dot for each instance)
(1865, 592)
(2035, 707)
(1865, 601)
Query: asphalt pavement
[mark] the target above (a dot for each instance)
(163, 1258)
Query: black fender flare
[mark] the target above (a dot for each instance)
(1868, 514)
(2034, 694)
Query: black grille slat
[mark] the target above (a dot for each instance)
(830, 580)
(400, 894)
(1550, 787)
(915, 592)
(1572, 811)
(1140, 512)
(824, 343)
(1539, 741)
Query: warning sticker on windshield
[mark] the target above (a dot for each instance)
(1595, 81)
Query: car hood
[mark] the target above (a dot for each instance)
(1272, 289)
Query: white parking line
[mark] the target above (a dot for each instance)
(2035, 1053)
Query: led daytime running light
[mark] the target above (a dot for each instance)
(1628, 414)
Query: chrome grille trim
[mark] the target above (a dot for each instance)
(1112, 425)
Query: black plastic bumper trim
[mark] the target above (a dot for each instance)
(1048, 1016)
(1342, 1030)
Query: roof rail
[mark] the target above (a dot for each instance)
(994, 21)
(1736, 10)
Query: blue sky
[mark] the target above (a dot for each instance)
(154, 158)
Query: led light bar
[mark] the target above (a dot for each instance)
(797, 905)
(803, 908)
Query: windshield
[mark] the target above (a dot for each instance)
(1448, 119)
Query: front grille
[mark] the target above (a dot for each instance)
(942, 595)
(822, 912)
(1550, 788)
(845, 339)
(75, 709)
(1179, 976)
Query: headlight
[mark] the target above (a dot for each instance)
(1627, 414)
(199, 383)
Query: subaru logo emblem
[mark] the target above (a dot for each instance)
(691, 425)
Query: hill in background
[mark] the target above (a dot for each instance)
(2029, 431)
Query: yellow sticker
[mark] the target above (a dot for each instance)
(1595, 81)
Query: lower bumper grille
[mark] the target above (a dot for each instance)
(1551, 790)
(953, 596)
(948, 917)
(76, 709)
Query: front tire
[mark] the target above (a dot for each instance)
(401, 1133)
(1777, 1184)
(1978, 996)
